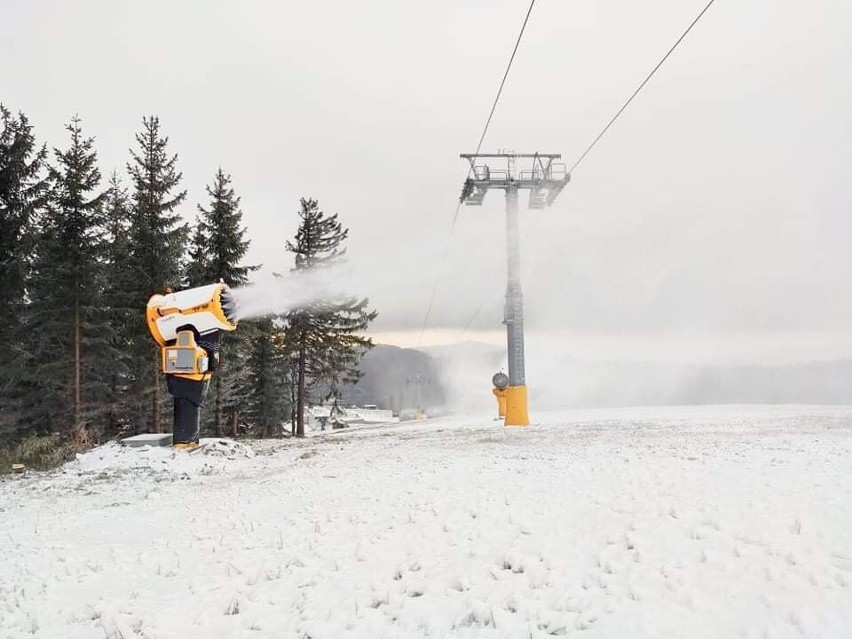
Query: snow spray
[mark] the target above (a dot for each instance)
(275, 294)
(289, 292)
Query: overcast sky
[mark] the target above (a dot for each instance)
(718, 205)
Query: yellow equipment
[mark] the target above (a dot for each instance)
(500, 381)
(511, 401)
(188, 326)
(204, 309)
(185, 358)
(516, 406)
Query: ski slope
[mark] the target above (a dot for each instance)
(669, 522)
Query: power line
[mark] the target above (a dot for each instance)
(478, 148)
(639, 88)
(600, 135)
(471, 320)
(497, 97)
(429, 307)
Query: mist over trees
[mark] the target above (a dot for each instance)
(79, 257)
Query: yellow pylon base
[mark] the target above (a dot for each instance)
(517, 413)
(185, 445)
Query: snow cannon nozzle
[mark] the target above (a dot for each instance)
(229, 306)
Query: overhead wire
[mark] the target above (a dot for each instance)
(478, 148)
(497, 97)
(604, 130)
(639, 88)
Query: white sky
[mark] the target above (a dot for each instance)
(719, 204)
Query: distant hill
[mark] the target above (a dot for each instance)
(391, 377)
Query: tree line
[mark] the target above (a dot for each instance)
(79, 257)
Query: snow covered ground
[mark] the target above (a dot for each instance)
(670, 522)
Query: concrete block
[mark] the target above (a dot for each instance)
(148, 439)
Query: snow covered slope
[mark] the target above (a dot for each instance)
(676, 522)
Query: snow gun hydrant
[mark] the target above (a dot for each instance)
(501, 383)
(189, 326)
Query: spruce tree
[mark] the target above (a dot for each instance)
(225, 237)
(68, 329)
(327, 336)
(121, 306)
(155, 257)
(197, 264)
(22, 189)
(218, 248)
(265, 400)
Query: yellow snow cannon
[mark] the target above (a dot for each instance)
(188, 326)
(501, 383)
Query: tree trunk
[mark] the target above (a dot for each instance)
(217, 419)
(156, 425)
(300, 400)
(111, 416)
(294, 387)
(234, 419)
(77, 350)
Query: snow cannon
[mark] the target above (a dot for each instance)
(501, 383)
(188, 326)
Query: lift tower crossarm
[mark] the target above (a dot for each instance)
(544, 178)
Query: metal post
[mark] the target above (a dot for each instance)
(513, 315)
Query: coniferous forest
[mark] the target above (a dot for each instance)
(81, 251)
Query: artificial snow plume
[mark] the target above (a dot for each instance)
(278, 293)
(283, 293)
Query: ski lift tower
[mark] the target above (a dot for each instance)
(544, 179)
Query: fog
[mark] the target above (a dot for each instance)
(713, 216)
(585, 372)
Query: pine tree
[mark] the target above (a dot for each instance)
(218, 248)
(155, 258)
(225, 241)
(197, 263)
(22, 189)
(266, 401)
(327, 337)
(121, 308)
(67, 326)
